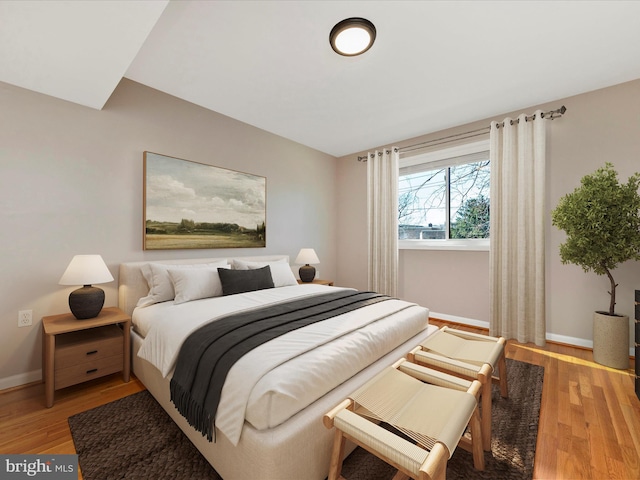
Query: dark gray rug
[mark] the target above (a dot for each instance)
(133, 438)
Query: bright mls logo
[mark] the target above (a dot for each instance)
(57, 467)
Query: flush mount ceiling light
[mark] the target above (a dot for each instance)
(352, 36)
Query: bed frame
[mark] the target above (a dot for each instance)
(299, 448)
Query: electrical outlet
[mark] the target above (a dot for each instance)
(25, 318)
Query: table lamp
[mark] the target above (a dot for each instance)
(307, 256)
(86, 301)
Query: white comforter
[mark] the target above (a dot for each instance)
(281, 377)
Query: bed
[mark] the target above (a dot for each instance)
(269, 427)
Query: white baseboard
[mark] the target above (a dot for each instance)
(578, 342)
(463, 320)
(552, 337)
(20, 379)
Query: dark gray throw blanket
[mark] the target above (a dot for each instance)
(208, 353)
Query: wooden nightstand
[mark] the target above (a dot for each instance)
(75, 351)
(317, 281)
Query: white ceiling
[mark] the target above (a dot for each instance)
(435, 64)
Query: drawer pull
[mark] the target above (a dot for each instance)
(92, 352)
(93, 370)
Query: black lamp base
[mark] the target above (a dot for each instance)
(86, 302)
(307, 273)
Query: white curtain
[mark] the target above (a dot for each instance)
(517, 229)
(382, 177)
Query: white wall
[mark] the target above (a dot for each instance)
(71, 183)
(599, 126)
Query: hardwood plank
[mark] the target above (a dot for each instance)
(547, 448)
(589, 418)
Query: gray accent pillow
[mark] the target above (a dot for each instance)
(240, 281)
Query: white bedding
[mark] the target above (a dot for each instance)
(280, 378)
(164, 326)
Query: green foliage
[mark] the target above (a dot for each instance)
(602, 222)
(186, 226)
(261, 231)
(190, 227)
(472, 220)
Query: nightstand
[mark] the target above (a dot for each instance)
(75, 351)
(317, 281)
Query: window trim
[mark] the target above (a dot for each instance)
(469, 244)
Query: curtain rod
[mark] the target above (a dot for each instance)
(550, 115)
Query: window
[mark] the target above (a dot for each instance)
(443, 198)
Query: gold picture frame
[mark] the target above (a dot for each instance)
(191, 205)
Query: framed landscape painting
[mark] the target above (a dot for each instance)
(194, 205)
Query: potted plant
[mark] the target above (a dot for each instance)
(602, 221)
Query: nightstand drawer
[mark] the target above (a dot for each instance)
(89, 345)
(87, 371)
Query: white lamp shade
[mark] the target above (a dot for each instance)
(307, 256)
(86, 270)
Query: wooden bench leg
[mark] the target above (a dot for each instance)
(437, 464)
(486, 415)
(335, 468)
(476, 441)
(502, 368)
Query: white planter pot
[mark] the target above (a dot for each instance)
(611, 340)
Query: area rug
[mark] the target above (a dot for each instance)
(133, 438)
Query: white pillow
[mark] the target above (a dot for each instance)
(195, 283)
(252, 265)
(280, 270)
(282, 275)
(160, 285)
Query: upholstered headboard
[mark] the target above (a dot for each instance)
(133, 286)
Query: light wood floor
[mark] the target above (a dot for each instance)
(589, 421)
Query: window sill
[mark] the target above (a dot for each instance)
(480, 245)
